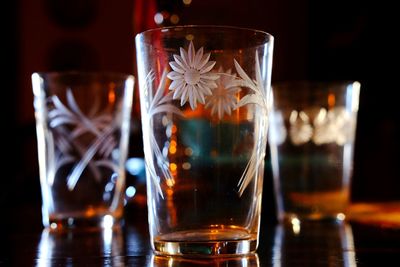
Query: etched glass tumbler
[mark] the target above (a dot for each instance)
(312, 134)
(82, 125)
(204, 94)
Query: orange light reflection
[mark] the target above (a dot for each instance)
(331, 100)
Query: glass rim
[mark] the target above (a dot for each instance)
(207, 26)
(314, 83)
(89, 73)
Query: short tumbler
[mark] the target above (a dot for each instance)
(204, 95)
(312, 133)
(82, 124)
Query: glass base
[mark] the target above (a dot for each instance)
(71, 223)
(238, 261)
(206, 243)
(293, 218)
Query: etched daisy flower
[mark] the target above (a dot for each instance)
(300, 129)
(191, 77)
(223, 98)
(334, 125)
(325, 130)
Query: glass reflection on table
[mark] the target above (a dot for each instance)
(313, 243)
(167, 261)
(68, 248)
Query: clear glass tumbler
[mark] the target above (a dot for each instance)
(312, 134)
(82, 124)
(204, 95)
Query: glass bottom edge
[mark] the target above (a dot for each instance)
(292, 218)
(215, 248)
(72, 223)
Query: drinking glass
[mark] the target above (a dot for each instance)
(82, 125)
(204, 96)
(311, 139)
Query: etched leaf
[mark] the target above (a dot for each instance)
(159, 104)
(251, 99)
(78, 125)
(73, 178)
(257, 97)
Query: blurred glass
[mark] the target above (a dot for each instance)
(312, 131)
(82, 124)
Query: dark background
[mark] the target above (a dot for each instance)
(318, 40)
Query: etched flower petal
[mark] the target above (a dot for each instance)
(227, 106)
(204, 88)
(207, 67)
(175, 84)
(191, 54)
(220, 110)
(185, 56)
(198, 57)
(176, 67)
(210, 84)
(204, 61)
(184, 96)
(178, 93)
(199, 96)
(173, 75)
(192, 98)
(181, 62)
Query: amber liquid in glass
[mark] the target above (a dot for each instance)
(314, 180)
(204, 208)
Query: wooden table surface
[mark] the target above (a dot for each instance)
(356, 243)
